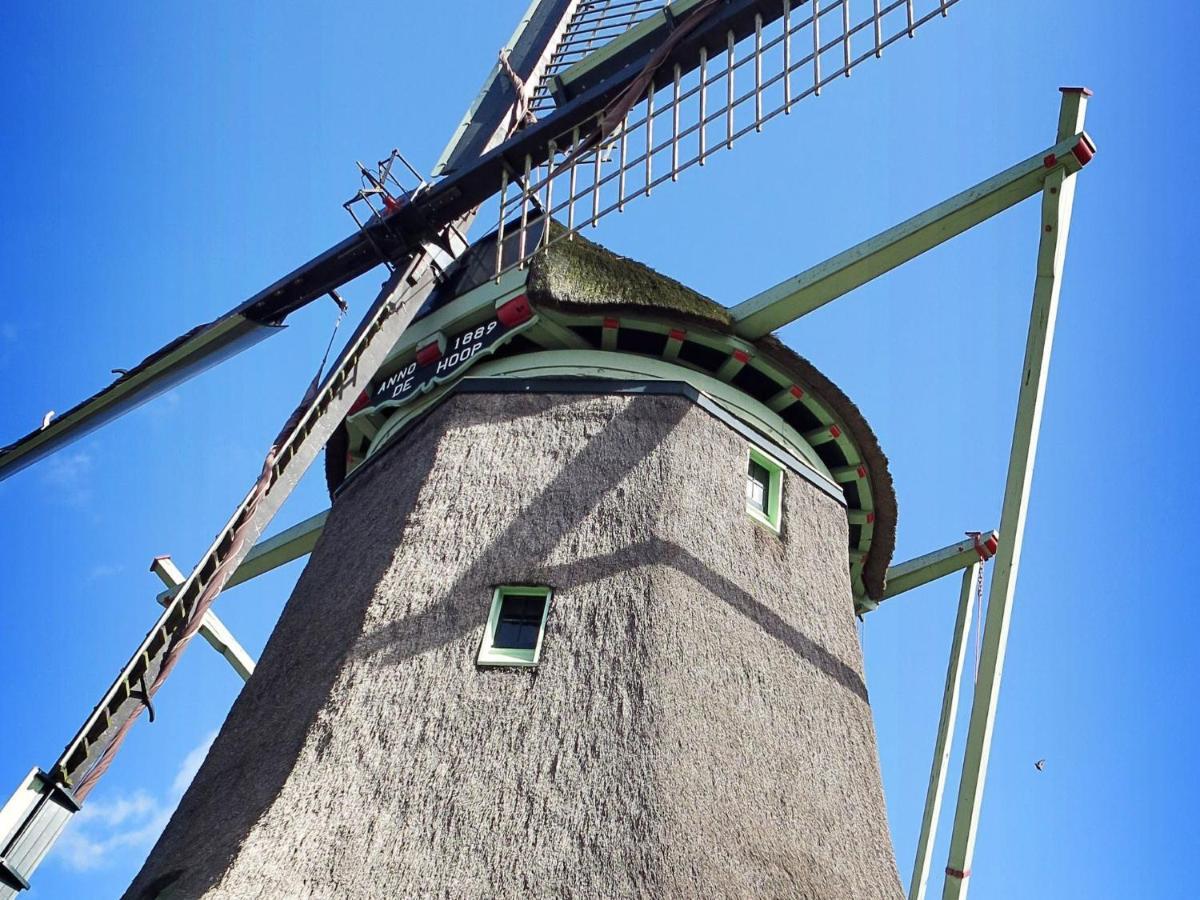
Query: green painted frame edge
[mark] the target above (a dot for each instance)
(607, 363)
(492, 656)
(773, 518)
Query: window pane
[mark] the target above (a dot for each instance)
(519, 621)
(758, 481)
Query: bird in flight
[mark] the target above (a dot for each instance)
(1040, 765)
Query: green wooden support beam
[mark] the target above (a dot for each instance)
(292, 543)
(1057, 197)
(923, 569)
(812, 289)
(739, 356)
(785, 398)
(212, 629)
(941, 746)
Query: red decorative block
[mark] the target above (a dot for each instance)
(515, 311)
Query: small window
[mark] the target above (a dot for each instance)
(764, 487)
(516, 622)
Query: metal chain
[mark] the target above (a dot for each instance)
(979, 613)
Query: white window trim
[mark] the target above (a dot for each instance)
(490, 655)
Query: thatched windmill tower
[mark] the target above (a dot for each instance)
(581, 619)
(580, 623)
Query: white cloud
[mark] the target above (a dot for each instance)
(191, 765)
(67, 474)
(116, 812)
(104, 827)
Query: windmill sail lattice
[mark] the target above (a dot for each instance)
(754, 74)
(594, 24)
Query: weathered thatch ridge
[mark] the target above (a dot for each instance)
(579, 276)
(883, 492)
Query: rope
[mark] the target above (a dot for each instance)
(521, 113)
(343, 308)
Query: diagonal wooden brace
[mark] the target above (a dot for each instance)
(813, 288)
(212, 629)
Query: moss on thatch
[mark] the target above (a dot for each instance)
(580, 276)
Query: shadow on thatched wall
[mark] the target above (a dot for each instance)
(412, 636)
(327, 626)
(325, 645)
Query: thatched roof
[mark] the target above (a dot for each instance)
(581, 276)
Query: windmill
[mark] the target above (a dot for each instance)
(579, 369)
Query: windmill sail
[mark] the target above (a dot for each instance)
(206, 345)
(694, 94)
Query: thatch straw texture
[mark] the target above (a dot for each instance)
(698, 725)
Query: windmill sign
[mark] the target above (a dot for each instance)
(442, 358)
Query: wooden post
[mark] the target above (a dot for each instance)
(1057, 195)
(945, 734)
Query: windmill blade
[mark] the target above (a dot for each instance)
(207, 345)
(705, 74)
(87, 756)
(187, 355)
(532, 48)
(588, 157)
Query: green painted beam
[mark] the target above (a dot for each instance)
(212, 629)
(281, 548)
(1057, 198)
(945, 733)
(812, 289)
(923, 569)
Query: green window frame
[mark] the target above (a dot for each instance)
(764, 488)
(515, 626)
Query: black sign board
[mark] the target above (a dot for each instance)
(461, 349)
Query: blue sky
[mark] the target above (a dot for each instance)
(162, 163)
